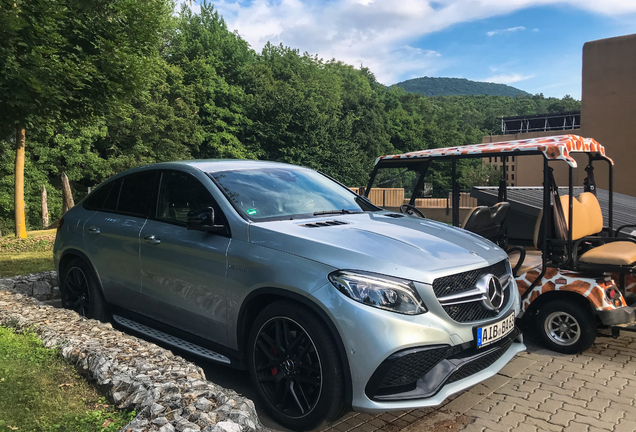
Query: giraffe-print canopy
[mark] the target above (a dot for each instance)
(552, 147)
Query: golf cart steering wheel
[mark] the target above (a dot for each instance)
(410, 210)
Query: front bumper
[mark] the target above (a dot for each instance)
(622, 315)
(372, 336)
(419, 373)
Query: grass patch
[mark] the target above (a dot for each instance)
(30, 255)
(39, 391)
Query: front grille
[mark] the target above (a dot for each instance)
(475, 311)
(479, 364)
(411, 367)
(465, 281)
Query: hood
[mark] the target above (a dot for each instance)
(407, 247)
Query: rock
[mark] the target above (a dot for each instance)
(41, 289)
(155, 409)
(166, 428)
(203, 404)
(160, 421)
(224, 426)
(182, 424)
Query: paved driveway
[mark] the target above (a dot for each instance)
(538, 391)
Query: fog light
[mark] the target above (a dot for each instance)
(617, 302)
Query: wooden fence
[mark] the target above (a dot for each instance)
(394, 197)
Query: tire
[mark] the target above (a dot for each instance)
(295, 366)
(80, 291)
(566, 327)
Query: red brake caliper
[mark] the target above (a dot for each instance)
(274, 369)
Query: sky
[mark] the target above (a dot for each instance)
(534, 45)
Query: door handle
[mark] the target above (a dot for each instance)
(151, 239)
(93, 230)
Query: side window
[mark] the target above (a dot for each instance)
(136, 194)
(179, 194)
(104, 198)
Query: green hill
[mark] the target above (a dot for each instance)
(429, 86)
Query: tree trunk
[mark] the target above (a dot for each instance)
(67, 195)
(20, 221)
(45, 209)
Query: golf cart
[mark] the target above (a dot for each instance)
(576, 277)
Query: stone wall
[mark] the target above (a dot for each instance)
(42, 286)
(169, 393)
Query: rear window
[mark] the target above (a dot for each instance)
(136, 194)
(104, 198)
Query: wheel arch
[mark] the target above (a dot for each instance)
(550, 296)
(257, 300)
(70, 254)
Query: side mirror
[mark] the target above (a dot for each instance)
(203, 220)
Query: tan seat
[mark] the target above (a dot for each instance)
(615, 253)
(587, 217)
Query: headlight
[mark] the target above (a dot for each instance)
(383, 292)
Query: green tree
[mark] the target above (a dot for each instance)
(213, 61)
(70, 60)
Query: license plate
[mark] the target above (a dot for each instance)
(493, 332)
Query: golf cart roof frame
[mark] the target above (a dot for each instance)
(552, 148)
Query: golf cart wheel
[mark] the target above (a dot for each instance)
(566, 327)
(295, 365)
(80, 291)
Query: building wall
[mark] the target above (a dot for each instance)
(608, 112)
(609, 105)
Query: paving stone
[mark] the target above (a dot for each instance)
(513, 369)
(582, 411)
(572, 401)
(611, 415)
(576, 427)
(556, 389)
(593, 422)
(562, 418)
(540, 395)
(625, 426)
(464, 402)
(543, 425)
(597, 404)
(492, 426)
(550, 406)
(530, 412)
(512, 419)
(501, 408)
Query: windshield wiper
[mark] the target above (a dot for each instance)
(329, 212)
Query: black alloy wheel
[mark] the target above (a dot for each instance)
(295, 366)
(76, 291)
(80, 291)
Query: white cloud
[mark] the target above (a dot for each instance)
(376, 33)
(507, 78)
(508, 30)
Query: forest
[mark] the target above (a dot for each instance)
(151, 85)
(431, 86)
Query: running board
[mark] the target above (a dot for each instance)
(171, 340)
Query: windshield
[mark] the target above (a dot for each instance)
(282, 193)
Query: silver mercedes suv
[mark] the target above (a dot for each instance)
(327, 300)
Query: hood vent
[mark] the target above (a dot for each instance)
(394, 215)
(324, 224)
